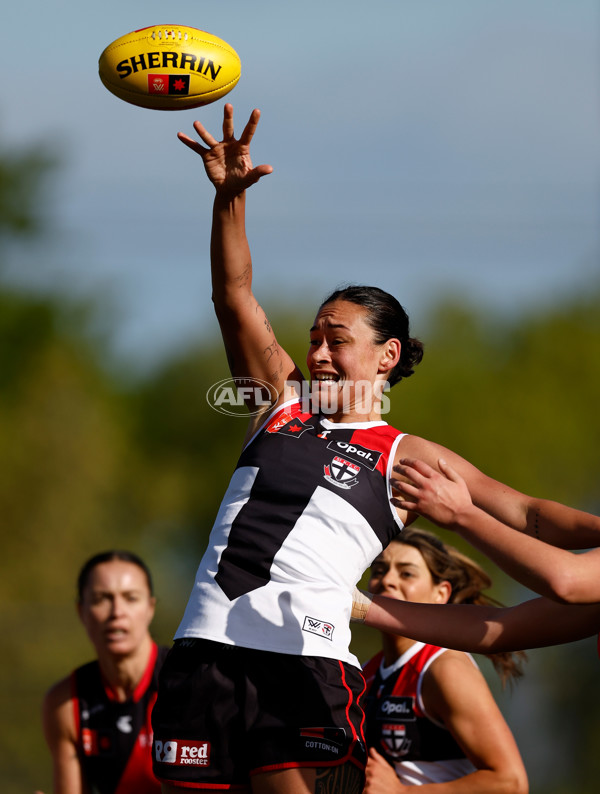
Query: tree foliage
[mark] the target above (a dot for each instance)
(23, 175)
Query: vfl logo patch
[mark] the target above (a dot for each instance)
(95, 743)
(341, 472)
(89, 739)
(318, 627)
(169, 84)
(288, 426)
(368, 457)
(183, 752)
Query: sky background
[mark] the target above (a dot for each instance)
(425, 146)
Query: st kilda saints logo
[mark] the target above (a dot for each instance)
(341, 472)
(396, 742)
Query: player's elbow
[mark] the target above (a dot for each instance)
(514, 780)
(520, 784)
(569, 587)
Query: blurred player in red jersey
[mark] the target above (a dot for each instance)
(97, 719)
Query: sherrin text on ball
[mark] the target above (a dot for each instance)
(169, 67)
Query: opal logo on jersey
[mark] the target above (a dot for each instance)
(368, 457)
(319, 627)
(241, 396)
(182, 752)
(397, 707)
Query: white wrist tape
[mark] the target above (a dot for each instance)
(361, 602)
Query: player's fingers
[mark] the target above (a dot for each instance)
(228, 122)
(408, 471)
(262, 170)
(250, 127)
(448, 471)
(404, 504)
(192, 144)
(204, 134)
(417, 465)
(402, 486)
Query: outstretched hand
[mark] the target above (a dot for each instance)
(441, 497)
(227, 162)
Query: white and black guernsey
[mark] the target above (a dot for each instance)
(306, 512)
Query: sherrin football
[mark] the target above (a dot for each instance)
(169, 67)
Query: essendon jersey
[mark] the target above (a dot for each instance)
(397, 724)
(306, 512)
(115, 739)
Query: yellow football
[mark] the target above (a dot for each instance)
(169, 67)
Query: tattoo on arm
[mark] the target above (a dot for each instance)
(275, 375)
(344, 779)
(265, 319)
(271, 350)
(245, 276)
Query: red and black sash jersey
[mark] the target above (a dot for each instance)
(115, 739)
(395, 723)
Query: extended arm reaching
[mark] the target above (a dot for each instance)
(479, 629)
(251, 346)
(444, 498)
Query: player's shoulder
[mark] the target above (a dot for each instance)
(57, 709)
(65, 689)
(412, 446)
(58, 692)
(450, 666)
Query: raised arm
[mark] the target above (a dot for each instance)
(444, 498)
(479, 629)
(251, 346)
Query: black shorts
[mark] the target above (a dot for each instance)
(225, 713)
